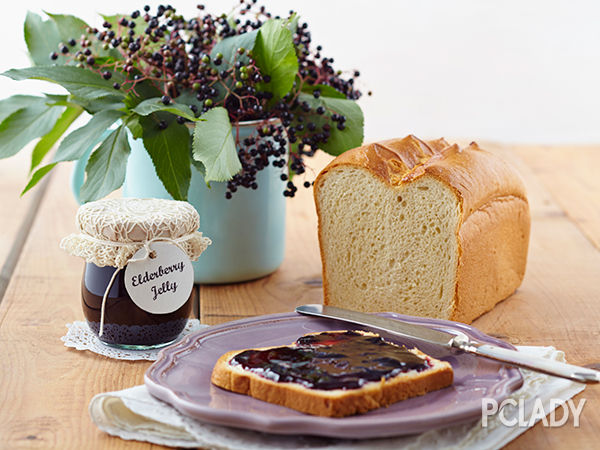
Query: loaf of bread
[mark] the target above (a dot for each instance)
(312, 392)
(421, 228)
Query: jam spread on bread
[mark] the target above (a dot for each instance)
(332, 360)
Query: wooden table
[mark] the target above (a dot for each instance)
(46, 388)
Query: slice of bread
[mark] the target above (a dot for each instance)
(333, 402)
(421, 228)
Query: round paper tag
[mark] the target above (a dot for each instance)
(161, 284)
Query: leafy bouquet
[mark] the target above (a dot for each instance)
(183, 87)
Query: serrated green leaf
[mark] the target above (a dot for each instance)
(42, 38)
(228, 48)
(105, 170)
(46, 143)
(199, 166)
(26, 124)
(340, 140)
(275, 55)
(153, 105)
(11, 104)
(170, 153)
(75, 144)
(37, 176)
(214, 146)
(326, 91)
(80, 82)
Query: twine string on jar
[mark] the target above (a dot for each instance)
(111, 234)
(149, 252)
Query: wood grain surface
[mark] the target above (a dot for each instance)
(17, 213)
(46, 387)
(558, 303)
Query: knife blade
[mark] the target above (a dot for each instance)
(457, 341)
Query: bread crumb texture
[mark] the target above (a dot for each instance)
(425, 230)
(392, 245)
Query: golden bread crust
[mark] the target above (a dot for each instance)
(494, 241)
(476, 176)
(493, 232)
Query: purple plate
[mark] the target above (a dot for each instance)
(181, 377)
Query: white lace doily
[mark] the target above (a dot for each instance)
(80, 337)
(133, 414)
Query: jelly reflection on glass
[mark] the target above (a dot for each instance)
(125, 324)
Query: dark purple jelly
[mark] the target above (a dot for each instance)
(332, 360)
(126, 324)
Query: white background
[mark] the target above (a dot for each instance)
(511, 71)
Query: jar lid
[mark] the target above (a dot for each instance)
(112, 230)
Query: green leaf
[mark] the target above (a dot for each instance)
(63, 100)
(275, 56)
(326, 91)
(37, 176)
(170, 153)
(188, 98)
(140, 23)
(214, 146)
(69, 27)
(231, 19)
(135, 127)
(199, 166)
(96, 105)
(57, 98)
(292, 22)
(340, 140)
(228, 47)
(47, 142)
(42, 38)
(12, 104)
(140, 27)
(26, 124)
(143, 90)
(153, 105)
(105, 170)
(75, 144)
(80, 82)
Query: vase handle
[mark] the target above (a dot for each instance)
(78, 174)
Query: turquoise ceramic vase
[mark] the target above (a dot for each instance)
(247, 231)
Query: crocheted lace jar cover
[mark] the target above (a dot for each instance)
(111, 231)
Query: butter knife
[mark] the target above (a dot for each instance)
(456, 340)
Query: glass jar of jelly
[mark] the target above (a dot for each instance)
(137, 286)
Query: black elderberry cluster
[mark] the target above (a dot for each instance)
(175, 55)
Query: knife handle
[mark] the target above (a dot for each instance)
(516, 358)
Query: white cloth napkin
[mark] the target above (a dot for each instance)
(133, 414)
